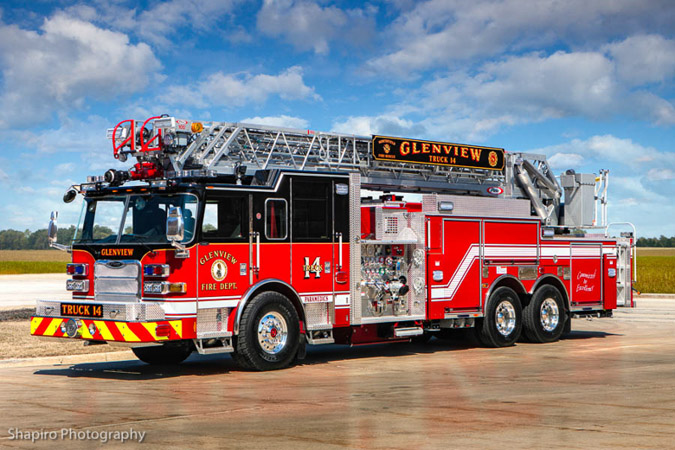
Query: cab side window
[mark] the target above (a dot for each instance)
(276, 218)
(312, 210)
(225, 218)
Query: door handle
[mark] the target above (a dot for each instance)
(339, 236)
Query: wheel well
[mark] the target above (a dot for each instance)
(550, 280)
(513, 283)
(275, 286)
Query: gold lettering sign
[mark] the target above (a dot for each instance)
(217, 254)
(393, 149)
(117, 252)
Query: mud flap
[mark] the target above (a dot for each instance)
(302, 347)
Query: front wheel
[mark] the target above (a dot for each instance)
(503, 321)
(544, 317)
(268, 334)
(167, 353)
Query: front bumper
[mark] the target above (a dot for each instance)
(121, 322)
(112, 331)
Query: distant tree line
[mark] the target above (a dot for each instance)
(656, 242)
(37, 240)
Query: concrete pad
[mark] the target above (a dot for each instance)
(609, 384)
(25, 290)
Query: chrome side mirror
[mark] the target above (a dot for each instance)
(175, 227)
(52, 229)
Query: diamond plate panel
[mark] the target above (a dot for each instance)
(316, 316)
(465, 205)
(354, 246)
(212, 321)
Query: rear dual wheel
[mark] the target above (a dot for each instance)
(544, 317)
(503, 321)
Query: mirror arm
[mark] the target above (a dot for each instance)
(181, 250)
(63, 248)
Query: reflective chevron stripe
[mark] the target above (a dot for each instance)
(115, 331)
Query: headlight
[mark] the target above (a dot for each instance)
(77, 285)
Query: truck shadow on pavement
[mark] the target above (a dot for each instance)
(201, 365)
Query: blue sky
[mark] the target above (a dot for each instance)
(588, 83)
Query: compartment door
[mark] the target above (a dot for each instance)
(586, 274)
(453, 269)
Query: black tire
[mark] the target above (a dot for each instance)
(166, 354)
(421, 339)
(268, 333)
(503, 321)
(544, 317)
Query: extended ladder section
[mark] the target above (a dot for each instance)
(181, 148)
(232, 148)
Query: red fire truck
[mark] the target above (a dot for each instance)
(256, 240)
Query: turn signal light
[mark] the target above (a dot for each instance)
(163, 287)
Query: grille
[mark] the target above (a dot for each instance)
(117, 281)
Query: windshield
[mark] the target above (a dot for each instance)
(134, 218)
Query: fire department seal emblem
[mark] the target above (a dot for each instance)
(219, 270)
(387, 148)
(492, 159)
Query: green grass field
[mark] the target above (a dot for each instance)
(14, 262)
(656, 266)
(656, 270)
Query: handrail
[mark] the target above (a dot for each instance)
(633, 246)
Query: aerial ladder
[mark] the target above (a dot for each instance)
(173, 148)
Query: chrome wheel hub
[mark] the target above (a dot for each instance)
(549, 314)
(505, 318)
(272, 333)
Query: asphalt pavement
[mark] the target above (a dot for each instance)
(609, 384)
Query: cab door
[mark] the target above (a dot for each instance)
(313, 246)
(222, 258)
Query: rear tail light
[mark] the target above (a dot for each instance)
(156, 270)
(163, 330)
(80, 270)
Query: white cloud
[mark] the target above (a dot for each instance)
(383, 124)
(471, 105)
(440, 33)
(644, 59)
(309, 26)
(661, 174)
(559, 85)
(64, 168)
(158, 23)
(238, 89)
(66, 62)
(278, 121)
(629, 156)
(563, 161)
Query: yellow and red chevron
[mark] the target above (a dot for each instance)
(107, 330)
